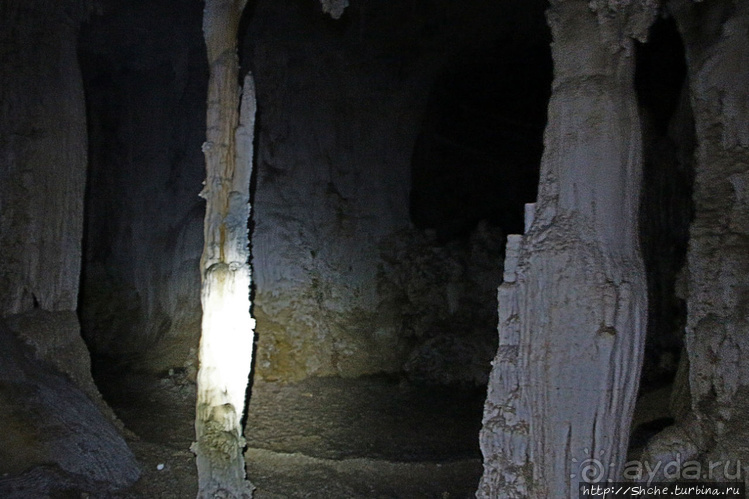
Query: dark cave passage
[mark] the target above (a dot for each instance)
(479, 148)
(474, 166)
(665, 216)
(666, 207)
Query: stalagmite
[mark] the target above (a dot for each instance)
(227, 329)
(573, 306)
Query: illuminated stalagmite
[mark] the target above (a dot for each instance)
(227, 330)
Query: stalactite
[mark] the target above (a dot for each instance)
(334, 7)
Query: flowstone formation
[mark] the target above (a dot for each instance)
(54, 438)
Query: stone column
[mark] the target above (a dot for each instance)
(43, 155)
(572, 308)
(226, 341)
(43, 162)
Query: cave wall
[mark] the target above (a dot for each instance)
(711, 415)
(145, 75)
(715, 37)
(340, 104)
(332, 166)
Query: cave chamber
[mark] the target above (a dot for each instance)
(426, 175)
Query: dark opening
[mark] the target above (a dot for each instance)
(478, 154)
(665, 215)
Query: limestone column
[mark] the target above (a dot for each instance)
(226, 341)
(43, 162)
(43, 155)
(572, 308)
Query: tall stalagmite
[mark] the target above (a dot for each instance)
(573, 306)
(227, 330)
(43, 160)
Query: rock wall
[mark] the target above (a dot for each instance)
(442, 298)
(339, 108)
(712, 421)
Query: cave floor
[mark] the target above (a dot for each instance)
(370, 437)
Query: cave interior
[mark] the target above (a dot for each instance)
(395, 149)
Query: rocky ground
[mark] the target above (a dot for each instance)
(373, 437)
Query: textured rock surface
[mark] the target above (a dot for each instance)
(145, 73)
(339, 110)
(444, 297)
(54, 437)
(572, 307)
(714, 429)
(227, 328)
(55, 338)
(43, 152)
